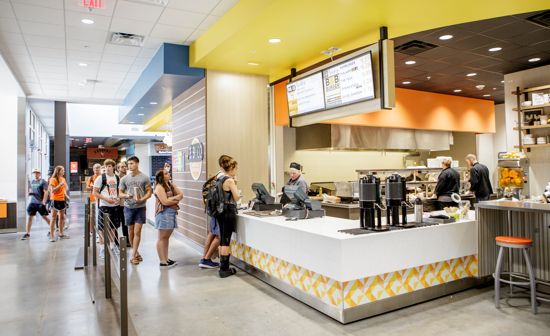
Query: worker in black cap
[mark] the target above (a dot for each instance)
(296, 177)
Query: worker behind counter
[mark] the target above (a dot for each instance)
(448, 183)
(296, 177)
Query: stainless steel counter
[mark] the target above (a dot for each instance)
(515, 206)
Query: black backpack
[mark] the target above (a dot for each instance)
(213, 196)
(104, 182)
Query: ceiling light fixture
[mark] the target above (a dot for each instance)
(486, 95)
(428, 77)
(495, 49)
(410, 62)
(83, 64)
(131, 122)
(471, 74)
(502, 81)
(406, 83)
(457, 90)
(153, 103)
(445, 37)
(253, 64)
(141, 114)
(534, 59)
(274, 40)
(87, 21)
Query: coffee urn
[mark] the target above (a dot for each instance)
(395, 200)
(369, 203)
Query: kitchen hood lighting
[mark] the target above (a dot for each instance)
(457, 90)
(87, 21)
(410, 62)
(472, 74)
(445, 37)
(274, 40)
(495, 49)
(406, 83)
(534, 59)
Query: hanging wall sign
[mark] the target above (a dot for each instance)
(179, 161)
(195, 156)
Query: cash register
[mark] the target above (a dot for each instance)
(299, 205)
(263, 201)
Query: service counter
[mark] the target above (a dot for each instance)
(350, 277)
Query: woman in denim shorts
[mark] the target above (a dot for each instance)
(168, 197)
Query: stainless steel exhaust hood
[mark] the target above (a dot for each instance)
(345, 137)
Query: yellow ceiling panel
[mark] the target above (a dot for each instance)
(160, 122)
(306, 27)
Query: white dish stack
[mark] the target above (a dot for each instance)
(528, 139)
(541, 140)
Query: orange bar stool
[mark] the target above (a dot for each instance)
(514, 243)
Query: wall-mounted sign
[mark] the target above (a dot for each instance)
(88, 140)
(179, 162)
(94, 4)
(195, 156)
(74, 167)
(102, 153)
(162, 148)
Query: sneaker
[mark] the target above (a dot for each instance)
(115, 250)
(26, 236)
(171, 262)
(229, 272)
(65, 236)
(102, 253)
(52, 240)
(208, 263)
(167, 264)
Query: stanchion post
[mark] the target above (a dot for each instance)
(123, 287)
(107, 255)
(86, 231)
(93, 210)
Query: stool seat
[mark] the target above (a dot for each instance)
(509, 240)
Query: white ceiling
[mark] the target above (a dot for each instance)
(43, 41)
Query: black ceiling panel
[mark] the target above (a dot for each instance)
(510, 30)
(532, 37)
(478, 27)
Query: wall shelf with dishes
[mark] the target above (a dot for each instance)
(533, 108)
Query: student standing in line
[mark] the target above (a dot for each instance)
(122, 167)
(106, 192)
(228, 218)
(90, 188)
(213, 239)
(58, 192)
(168, 197)
(135, 189)
(37, 203)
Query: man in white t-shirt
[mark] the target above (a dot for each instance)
(106, 192)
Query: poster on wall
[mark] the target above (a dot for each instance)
(179, 162)
(102, 153)
(195, 155)
(74, 167)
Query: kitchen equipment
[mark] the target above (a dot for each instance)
(300, 206)
(418, 210)
(513, 173)
(396, 200)
(370, 204)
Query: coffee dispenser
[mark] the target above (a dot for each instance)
(370, 203)
(396, 200)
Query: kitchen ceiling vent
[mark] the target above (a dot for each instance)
(541, 19)
(126, 39)
(415, 47)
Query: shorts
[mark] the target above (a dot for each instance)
(134, 216)
(228, 222)
(114, 221)
(166, 219)
(33, 208)
(59, 205)
(214, 227)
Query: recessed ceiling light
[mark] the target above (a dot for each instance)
(502, 81)
(534, 59)
(445, 37)
(410, 62)
(274, 40)
(406, 82)
(486, 95)
(253, 64)
(132, 122)
(429, 77)
(87, 21)
(153, 103)
(471, 74)
(83, 64)
(457, 90)
(141, 114)
(494, 88)
(495, 49)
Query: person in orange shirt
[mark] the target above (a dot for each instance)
(58, 194)
(91, 180)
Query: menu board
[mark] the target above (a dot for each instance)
(305, 95)
(349, 82)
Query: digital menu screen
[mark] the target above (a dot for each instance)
(305, 95)
(349, 82)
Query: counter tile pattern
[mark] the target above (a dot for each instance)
(349, 294)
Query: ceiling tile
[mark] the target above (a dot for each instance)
(121, 50)
(9, 26)
(137, 11)
(42, 29)
(224, 6)
(45, 41)
(148, 52)
(532, 37)
(87, 34)
(130, 26)
(203, 6)
(110, 58)
(85, 46)
(16, 49)
(509, 30)
(11, 38)
(208, 22)
(74, 20)
(180, 18)
(6, 11)
(38, 14)
(542, 46)
(106, 66)
(59, 69)
(171, 32)
(141, 61)
(82, 56)
(47, 52)
(56, 4)
(74, 5)
(483, 25)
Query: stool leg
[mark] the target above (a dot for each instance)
(531, 281)
(497, 276)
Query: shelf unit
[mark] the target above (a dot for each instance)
(522, 129)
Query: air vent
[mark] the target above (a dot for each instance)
(415, 47)
(541, 19)
(126, 39)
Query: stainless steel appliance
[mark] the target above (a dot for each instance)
(396, 200)
(370, 204)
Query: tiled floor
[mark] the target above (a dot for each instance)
(43, 295)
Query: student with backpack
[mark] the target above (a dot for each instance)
(37, 202)
(222, 204)
(106, 192)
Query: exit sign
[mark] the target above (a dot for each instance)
(95, 4)
(88, 140)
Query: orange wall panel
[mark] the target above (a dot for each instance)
(281, 104)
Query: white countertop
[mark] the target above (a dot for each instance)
(316, 244)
